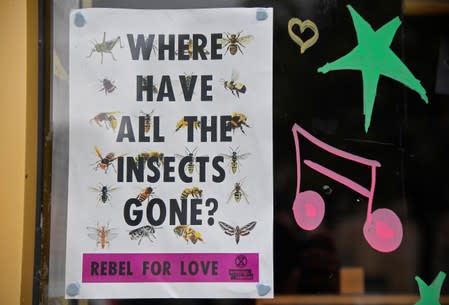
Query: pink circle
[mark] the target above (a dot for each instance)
(384, 231)
(308, 209)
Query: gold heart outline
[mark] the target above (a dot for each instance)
(303, 25)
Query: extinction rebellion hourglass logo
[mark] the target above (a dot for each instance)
(241, 274)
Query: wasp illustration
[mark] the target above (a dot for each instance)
(140, 233)
(237, 231)
(191, 155)
(104, 192)
(234, 85)
(238, 120)
(146, 193)
(188, 233)
(108, 118)
(235, 158)
(102, 234)
(237, 193)
(105, 46)
(106, 161)
(182, 123)
(108, 86)
(146, 155)
(196, 192)
(234, 42)
(147, 120)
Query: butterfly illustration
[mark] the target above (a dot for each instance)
(237, 231)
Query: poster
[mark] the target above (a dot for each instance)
(171, 168)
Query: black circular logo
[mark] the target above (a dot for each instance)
(241, 261)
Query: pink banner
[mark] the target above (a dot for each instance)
(170, 267)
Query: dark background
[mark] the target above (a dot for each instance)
(408, 137)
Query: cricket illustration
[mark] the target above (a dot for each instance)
(105, 46)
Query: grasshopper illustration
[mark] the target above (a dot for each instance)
(105, 46)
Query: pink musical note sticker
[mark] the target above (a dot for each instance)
(382, 229)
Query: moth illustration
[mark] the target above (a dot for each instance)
(237, 231)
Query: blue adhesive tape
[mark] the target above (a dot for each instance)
(80, 21)
(73, 289)
(262, 289)
(261, 14)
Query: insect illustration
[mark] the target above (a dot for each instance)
(140, 233)
(195, 191)
(154, 47)
(155, 90)
(146, 193)
(102, 234)
(191, 155)
(238, 120)
(104, 192)
(146, 155)
(188, 78)
(147, 120)
(108, 86)
(182, 123)
(109, 119)
(190, 50)
(188, 233)
(106, 161)
(105, 46)
(188, 81)
(237, 193)
(237, 231)
(235, 158)
(234, 42)
(234, 85)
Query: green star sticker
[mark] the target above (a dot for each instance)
(430, 295)
(373, 57)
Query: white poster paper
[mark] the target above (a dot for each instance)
(171, 172)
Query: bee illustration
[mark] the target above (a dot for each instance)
(108, 86)
(235, 158)
(108, 118)
(146, 193)
(188, 233)
(195, 191)
(234, 42)
(238, 120)
(191, 155)
(182, 123)
(113, 122)
(237, 231)
(102, 234)
(151, 154)
(140, 233)
(190, 50)
(234, 85)
(106, 161)
(105, 46)
(104, 192)
(237, 193)
(147, 121)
